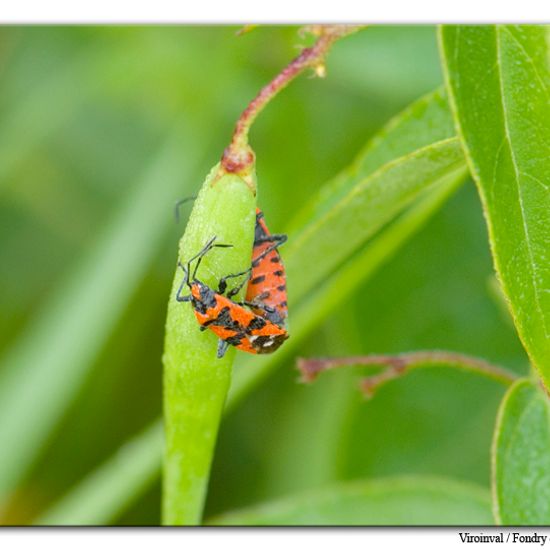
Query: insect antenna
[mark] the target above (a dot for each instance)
(200, 255)
(180, 203)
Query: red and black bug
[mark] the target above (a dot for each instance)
(267, 284)
(266, 290)
(232, 322)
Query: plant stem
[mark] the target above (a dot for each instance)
(195, 380)
(398, 365)
(238, 156)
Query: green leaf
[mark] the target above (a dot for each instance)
(521, 457)
(196, 381)
(498, 80)
(370, 204)
(413, 500)
(45, 368)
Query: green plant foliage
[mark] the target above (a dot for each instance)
(399, 501)
(91, 167)
(499, 84)
(323, 301)
(368, 205)
(251, 371)
(33, 120)
(195, 380)
(521, 457)
(41, 374)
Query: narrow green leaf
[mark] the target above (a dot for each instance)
(412, 500)
(195, 380)
(370, 204)
(105, 493)
(41, 374)
(521, 457)
(498, 79)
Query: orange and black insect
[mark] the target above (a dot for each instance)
(232, 322)
(267, 285)
(266, 290)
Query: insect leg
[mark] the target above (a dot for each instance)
(187, 269)
(277, 241)
(222, 348)
(199, 256)
(237, 288)
(255, 305)
(184, 281)
(222, 285)
(279, 238)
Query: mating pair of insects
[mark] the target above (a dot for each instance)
(257, 324)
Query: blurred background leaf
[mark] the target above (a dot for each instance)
(424, 122)
(102, 495)
(393, 501)
(40, 376)
(72, 173)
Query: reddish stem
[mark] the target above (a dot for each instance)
(238, 156)
(397, 365)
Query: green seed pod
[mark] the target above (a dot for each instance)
(195, 380)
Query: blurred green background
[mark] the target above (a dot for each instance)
(90, 115)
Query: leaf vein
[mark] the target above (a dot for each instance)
(530, 60)
(537, 180)
(508, 138)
